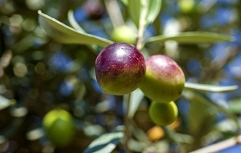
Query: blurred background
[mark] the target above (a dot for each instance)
(38, 74)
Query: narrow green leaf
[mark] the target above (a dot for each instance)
(154, 7)
(192, 37)
(135, 8)
(75, 25)
(67, 35)
(73, 22)
(143, 12)
(211, 88)
(135, 100)
(106, 143)
(4, 102)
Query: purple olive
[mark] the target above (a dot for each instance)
(164, 80)
(120, 68)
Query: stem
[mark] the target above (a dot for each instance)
(140, 34)
(139, 44)
(127, 124)
(114, 13)
(219, 146)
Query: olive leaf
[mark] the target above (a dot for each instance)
(73, 22)
(107, 142)
(67, 35)
(136, 8)
(206, 88)
(192, 38)
(154, 8)
(143, 12)
(135, 100)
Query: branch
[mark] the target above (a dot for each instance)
(220, 145)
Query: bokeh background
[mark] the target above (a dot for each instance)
(38, 74)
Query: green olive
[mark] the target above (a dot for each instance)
(163, 114)
(59, 127)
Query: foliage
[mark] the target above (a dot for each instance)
(48, 53)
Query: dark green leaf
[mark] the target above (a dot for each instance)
(206, 88)
(67, 35)
(106, 143)
(192, 38)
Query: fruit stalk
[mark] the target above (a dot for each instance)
(114, 12)
(138, 45)
(127, 123)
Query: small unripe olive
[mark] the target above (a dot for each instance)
(59, 127)
(187, 6)
(164, 79)
(123, 33)
(163, 114)
(119, 68)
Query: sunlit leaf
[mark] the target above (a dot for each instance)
(154, 7)
(226, 125)
(136, 8)
(143, 12)
(75, 25)
(193, 37)
(4, 102)
(73, 22)
(106, 143)
(211, 88)
(67, 35)
(135, 100)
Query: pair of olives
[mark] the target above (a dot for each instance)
(121, 68)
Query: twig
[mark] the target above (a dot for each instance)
(218, 63)
(127, 124)
(114, 12)
(220, 146)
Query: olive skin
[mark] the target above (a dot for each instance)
(164, 79)
(119, 68)
(163, 114)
